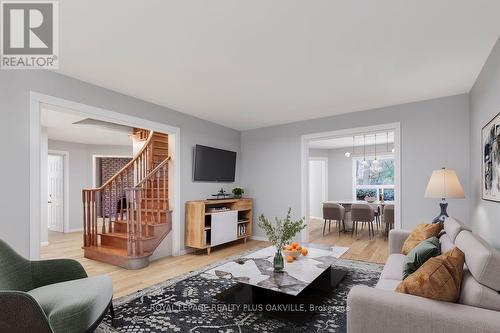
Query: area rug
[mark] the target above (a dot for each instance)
(187, 304)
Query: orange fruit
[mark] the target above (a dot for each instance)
(288, 248)
(299, 248)
(304, 251)
(289, 259)
(295, 244)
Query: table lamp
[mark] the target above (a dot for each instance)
(443, 184)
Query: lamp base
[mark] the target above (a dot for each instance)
(443, 215)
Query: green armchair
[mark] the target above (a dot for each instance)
(50, 296)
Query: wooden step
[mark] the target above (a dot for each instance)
(121, 226)
(152, 215)
(160, 144)
(160, 150)
(120, 239)
(116, 256)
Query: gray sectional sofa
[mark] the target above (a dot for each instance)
(381, 309)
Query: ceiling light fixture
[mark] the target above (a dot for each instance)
(375, 167)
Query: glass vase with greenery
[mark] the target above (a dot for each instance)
(280, 233)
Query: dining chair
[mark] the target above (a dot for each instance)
(333, 211)
(362, 213)
(388, 219)
(378, 214)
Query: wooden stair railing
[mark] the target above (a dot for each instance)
(128, 216)
(150, 197)
(114, 189)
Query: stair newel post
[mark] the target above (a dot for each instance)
(113, 203)
(158, 216)
(104, 200)
(84, 217)
(130, 217)
(165, 175)
(145, 203)
(139, 220)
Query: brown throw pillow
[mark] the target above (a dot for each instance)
(421, 233)
(438, 278)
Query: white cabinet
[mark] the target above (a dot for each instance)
(224, 227)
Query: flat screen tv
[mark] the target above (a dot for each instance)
(213, 165)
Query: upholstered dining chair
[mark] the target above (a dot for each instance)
(50, 296)
(388, 219)
(333, 211)
(362, 213)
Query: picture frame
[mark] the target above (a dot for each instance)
(490, 160)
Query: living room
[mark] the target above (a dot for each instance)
(254, 85)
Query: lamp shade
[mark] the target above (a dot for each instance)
(444, 183)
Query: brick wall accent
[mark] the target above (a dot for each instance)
(109, 167)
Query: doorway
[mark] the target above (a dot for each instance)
(348, 189)
(55, 188)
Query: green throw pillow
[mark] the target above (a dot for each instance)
(419, 254)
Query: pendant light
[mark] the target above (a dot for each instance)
(347, 153)
(375, 167)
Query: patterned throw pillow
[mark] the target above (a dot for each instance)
(439, 278)
(421, 233)
(420, 254)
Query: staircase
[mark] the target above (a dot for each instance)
(126, 218)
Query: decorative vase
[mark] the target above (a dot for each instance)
(278, 262)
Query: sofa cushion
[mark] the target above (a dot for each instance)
(420, 254)
(439, 278)
(475, 294)
(446, 243)
(482, 260)
(73, 306)
(453, 227)
(387, 284)
(393, 268)
(420, 233)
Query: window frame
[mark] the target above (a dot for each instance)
(355, 186)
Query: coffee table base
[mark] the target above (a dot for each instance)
(298, 308)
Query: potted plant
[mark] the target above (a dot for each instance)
(238, 192)
(280, 233)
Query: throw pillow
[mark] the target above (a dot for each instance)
(420, 233)
(420, 254)
(439, 278)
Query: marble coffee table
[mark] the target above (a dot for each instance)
(256, 269)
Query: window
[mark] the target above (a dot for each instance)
(374, 184)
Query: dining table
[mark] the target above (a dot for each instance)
(348, 203)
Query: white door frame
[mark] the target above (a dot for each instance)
(36, 100)
(325, 176)
(306, 139)
(65, 156)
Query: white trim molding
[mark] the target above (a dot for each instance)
(304, 151)
(38, 99)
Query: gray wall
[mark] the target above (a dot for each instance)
(434, 133)
(14, 134)
(484, 105)
(339, 172)
(80, 172)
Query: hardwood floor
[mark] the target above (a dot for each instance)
(360, 248)
(127, 281)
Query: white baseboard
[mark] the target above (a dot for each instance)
(44, 243)
(316, 217)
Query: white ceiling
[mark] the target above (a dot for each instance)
(249, 64)
(60, 126)
(347, 142)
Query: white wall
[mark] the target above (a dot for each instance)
(434, 133)
(81, 172)
(318, 186)
(484, 105)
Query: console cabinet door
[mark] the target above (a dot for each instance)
(224, 227)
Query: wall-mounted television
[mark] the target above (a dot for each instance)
(213, 165)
